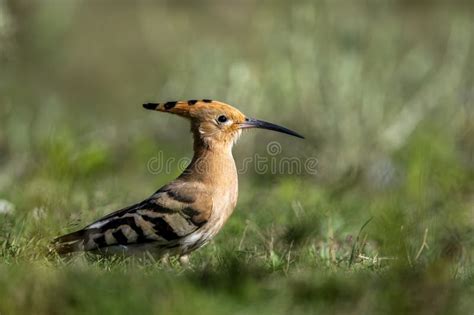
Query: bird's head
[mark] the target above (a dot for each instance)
(215, 122)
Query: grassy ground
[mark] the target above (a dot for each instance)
(382, 222)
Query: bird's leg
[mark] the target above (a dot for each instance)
(184, 260)
(165, 260)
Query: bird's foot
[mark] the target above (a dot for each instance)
(184, 260)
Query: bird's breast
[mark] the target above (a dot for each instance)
(224, 202)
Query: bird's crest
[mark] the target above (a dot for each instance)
(197, 109)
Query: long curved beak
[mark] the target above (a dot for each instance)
(255, 123)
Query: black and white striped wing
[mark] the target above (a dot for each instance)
(170, 214)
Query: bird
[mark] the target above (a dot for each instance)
(188, 212)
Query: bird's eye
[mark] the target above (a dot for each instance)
(222, 119)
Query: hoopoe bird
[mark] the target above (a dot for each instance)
(187, 213)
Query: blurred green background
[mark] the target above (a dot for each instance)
(382, 90)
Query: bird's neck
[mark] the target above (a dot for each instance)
(212, 164)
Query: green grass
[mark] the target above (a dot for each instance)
(382, 91)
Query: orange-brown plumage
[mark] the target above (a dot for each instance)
(189, 211)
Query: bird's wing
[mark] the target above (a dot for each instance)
(174, 211)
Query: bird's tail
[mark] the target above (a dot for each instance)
(72, 242)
